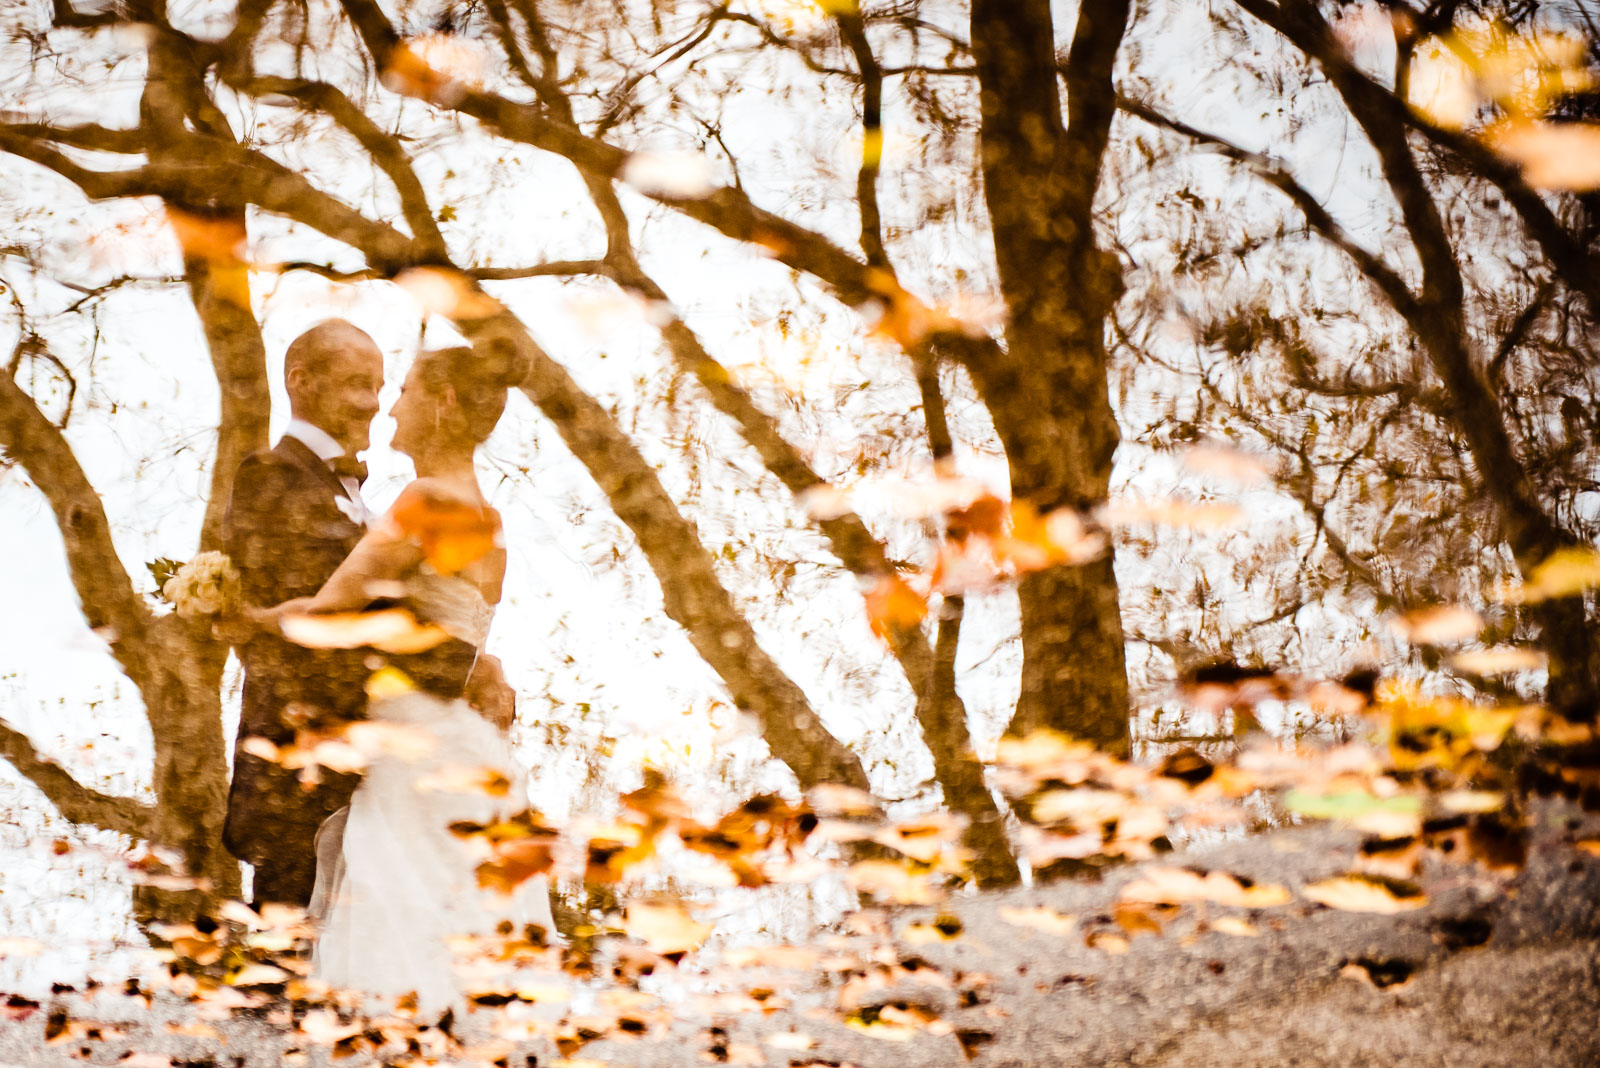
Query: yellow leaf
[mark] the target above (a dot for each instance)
(387, 682)
(1176, 886)
(664, 926)
(1040, 918)
(1434, 626)
(1366, 893)
(1563, 156)
(392, 630)
(1564, 573)
(1498, 660)
(886, 879)
(258, 975)
(1234, 925)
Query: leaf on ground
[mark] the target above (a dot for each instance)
(1106, 942)
(890, 881)
(1039, 918)
(941, 929)
(258, 975)
(664, 926)
(1357, 892)
(1235, 925)
(1176, 886)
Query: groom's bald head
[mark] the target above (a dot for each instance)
(333, 373)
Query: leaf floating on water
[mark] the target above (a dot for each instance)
(391, 630)
(1472, 801)
(452, 531)
(1040, 918)
(892, 606)
(17, 946)
(448, 293)
(1437, 625)
(1561, 156)
(942, 929)
(896, 1022)
(1565, 573)
(1498, 660)
(834, 799)
(1366, 893)
(1172, 513)
(676, 175)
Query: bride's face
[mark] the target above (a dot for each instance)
(416, 414)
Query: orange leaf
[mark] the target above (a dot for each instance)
(892, 605)
(453, 533)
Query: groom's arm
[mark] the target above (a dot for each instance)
(489, 692)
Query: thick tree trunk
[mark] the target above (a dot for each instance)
(1049, 395)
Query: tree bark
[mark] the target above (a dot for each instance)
(1047, 391)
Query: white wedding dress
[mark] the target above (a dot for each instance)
(398, 889)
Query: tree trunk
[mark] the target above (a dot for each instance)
(1048, 395)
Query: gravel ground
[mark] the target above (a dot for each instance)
(1492, 972)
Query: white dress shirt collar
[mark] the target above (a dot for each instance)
(314, 438)
(320, 442)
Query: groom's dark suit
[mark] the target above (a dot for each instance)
(287, 534)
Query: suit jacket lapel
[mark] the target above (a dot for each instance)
(301, 453)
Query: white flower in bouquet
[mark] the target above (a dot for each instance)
(208, 585)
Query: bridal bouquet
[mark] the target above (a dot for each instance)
(208, 585)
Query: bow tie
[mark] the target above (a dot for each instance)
(349, 467)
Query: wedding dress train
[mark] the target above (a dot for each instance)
(398, 888)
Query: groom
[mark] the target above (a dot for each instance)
(295, 514)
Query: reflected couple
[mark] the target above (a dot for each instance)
(373, 856)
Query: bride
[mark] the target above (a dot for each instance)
(398, 887)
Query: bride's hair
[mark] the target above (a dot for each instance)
(479, 377)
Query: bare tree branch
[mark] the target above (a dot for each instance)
(109, 604)
(76, 802)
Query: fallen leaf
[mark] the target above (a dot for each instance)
(665, 926)
(1106, 942)
(1437, 625)
(258, 975)
(893, 606)
(448, 293)
(674, 175)
(1562, 156)
(1235, 925)
(1564, 573)
(891, 881)
(1357, 892)
(1176, 886)
(1039, 918)
(392, 630)
(1498, 660)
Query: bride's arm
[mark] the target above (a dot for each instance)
(383, 554)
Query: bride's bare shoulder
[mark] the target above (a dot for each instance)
(423, 492)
